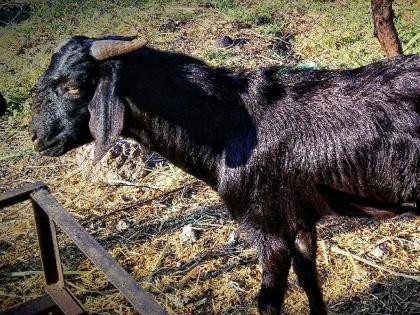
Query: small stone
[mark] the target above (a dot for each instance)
(189, 233)
(223, 42)
(122, 225)
(356, 277)
(379, 252)
(233, 238)
(416, 243)
(178, 264)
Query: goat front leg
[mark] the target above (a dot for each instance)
(304, 265)
(275, 262)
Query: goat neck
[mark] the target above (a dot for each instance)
(186, 111)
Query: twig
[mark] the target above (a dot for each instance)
(157, 265)
(324, 252)
(79, 288)
(340, 251)
(40, 272)
(187, 277)
(381, 241)
(140, 203)
(122, 183)
(270, 59)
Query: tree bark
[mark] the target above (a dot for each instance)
(384, 28)
(2, 105)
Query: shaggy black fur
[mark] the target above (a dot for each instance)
(282, 148)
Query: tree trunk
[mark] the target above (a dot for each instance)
(384, 28)
(2, 105)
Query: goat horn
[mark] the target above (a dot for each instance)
(108, 48)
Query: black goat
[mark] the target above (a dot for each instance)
(283, 148)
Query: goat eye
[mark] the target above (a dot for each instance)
(72, 90)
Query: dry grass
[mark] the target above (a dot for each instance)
(208, 276)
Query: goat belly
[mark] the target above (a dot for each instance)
(377, 212)
(343, 203)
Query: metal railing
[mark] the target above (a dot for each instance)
(58, 299)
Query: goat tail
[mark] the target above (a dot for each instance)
(343, 203)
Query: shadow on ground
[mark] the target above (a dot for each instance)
(392, 296)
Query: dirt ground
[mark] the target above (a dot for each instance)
(365, 266)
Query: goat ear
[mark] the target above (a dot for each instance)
(106, 114)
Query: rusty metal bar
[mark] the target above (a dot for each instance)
(142, 301)
(51, 262)
(39, 306)
(59, 300)
(48, 246)
(66, 301)
(20, 194)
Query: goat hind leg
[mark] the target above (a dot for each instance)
(304, 265)
(275, 262)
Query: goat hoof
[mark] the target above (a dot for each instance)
(268, 306)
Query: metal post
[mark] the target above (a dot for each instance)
(59, 300)
(48, 247)
(18, 195)
(42, 305)
(142, 301)
(51, 262)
